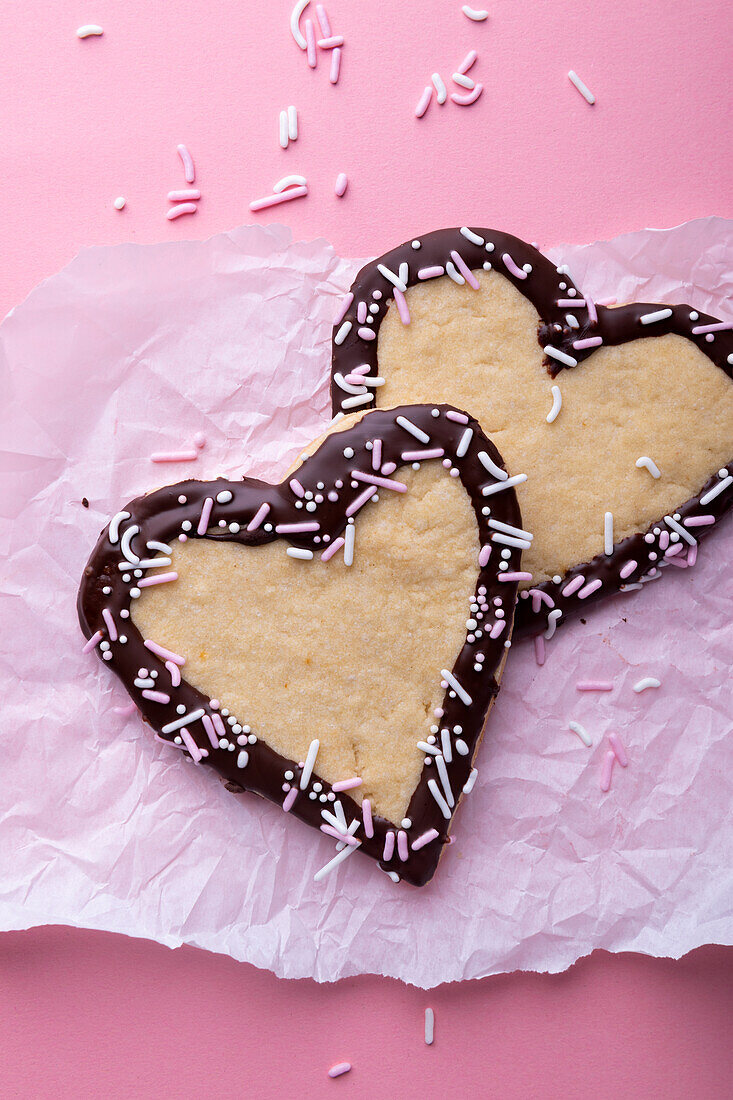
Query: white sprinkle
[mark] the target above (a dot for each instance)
(716, 490)
(556, 404)
(120, 202)
(297, 552)
(552, 621)
(283, 129)
(125, 541)
(490, 465)
(471, 781)
(584, 90)
(352, 402)
(185, 721)
(647, 682)
(418, 433)
(309, 763)
(114, 525)
(463, 81)
(658, 315)
(349, 538)
(425, 747)
(681, 531)
(477, 15)
(348, 387)
(582, 733)
(648, 464)
(509, 540)
(608, 534)
(435, 792)
(498, 525)
(445, 781)
(89, 30)
(471, 236)
(572, 322)
(342, 333)
(440, 87)
(459, 690)
(464, 442)
(391, 277)
(489, 490)
(293, 123)
(429, 1026)
(561, 357)
(289, 181)
(452, 271)
(295, 21)
(333, 864)
(163, 546)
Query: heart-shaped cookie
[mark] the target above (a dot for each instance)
(333, 642)
(626, 413)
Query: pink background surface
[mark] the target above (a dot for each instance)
(89, 1014)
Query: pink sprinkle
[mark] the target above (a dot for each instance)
(402, 845)
(323, 21)
(424, 838)
(484, 554)
(465, 270)
(542, 597)
(367, 333)
(346, 784)
(258, 517)
(361, 316)
(342, 182)
(211, 732)
(363, 369)
(424, 101)
(156, 696)
(175, 673)
(388, 468)
(692, 555)
(677, 562)
(699, 521)
(388, 846)
(296, 528)
(110, 624)
(422, 456)
(608, 761)
(332, 549)
(339, 1068)
(129, 709)
(376, 454)
(384, 482)
(361, 500)
(457, 418)
(511, 266)
(297, 487)
(188, 194)
(181, 208)
(343, 308)
(366, 813)
(539, 650)
(594, 685)
(174, 456)
(664, 540)
(219, 724)
(720, 326)
(274, 200)
(467, 98)
(190, 744)
(205, 516)
(430, 272)
(161, 578)
(93, 641)
(677, 548)
(593, 586)
(331, 42)
(290, 798)
(522, 576)
(310, 38)
(335, 66)
(343, 837)
(165, 654)
(591, 307)
(468, 62)
(589, 342)
(189, 170)
(627, 569)
(402, 308)
(497, 628)
(618, 749)
(572, 587)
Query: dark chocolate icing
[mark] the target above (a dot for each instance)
(544, 285)
(159, 517)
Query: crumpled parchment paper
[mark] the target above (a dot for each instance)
(134, 349)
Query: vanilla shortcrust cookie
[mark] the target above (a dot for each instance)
(333, 642)
(616, 424)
